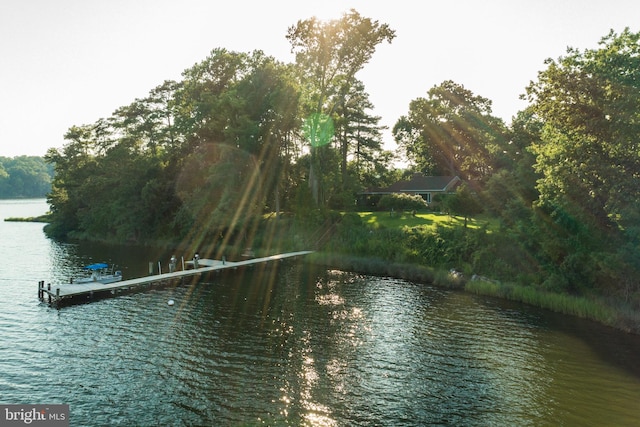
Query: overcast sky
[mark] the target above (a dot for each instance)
(72, 62)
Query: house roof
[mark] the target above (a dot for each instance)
(419, 184)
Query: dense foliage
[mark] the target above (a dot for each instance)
(588, 157)
(203, 157)
(201, 160)
(452, 132)
(24, 177)
(564, 178)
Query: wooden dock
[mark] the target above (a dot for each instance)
(57, 295)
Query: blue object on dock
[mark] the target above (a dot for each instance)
(96, 266)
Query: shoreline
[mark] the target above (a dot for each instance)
(41, 218)
(596, 309)
(614, 314)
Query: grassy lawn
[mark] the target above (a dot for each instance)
(399, 220)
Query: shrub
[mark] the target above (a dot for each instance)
(351, 219)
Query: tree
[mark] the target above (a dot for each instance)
(589, 154)
(358, 133)
(328, 55)
(463, 203)
(589, 160)
(263, 120)
(204, 96)
(451, 132)
(511, 191)
(150, 120)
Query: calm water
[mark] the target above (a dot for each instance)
(296, 347)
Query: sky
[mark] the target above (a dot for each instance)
(72, 62)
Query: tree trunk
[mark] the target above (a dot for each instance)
(343, 165)
(314, 183)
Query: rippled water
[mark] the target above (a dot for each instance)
(295, 346)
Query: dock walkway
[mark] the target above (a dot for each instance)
(58, 294)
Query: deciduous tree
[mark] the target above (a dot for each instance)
(328, 55)
(451, 132)
(589, 159)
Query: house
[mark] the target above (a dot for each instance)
(425, 186)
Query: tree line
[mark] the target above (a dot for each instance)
(242, 134)
(24, 177)
(239, 134)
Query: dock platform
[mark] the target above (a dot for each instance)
(57, 295)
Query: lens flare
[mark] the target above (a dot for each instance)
(318, 129)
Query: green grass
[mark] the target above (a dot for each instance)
(406, 219)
